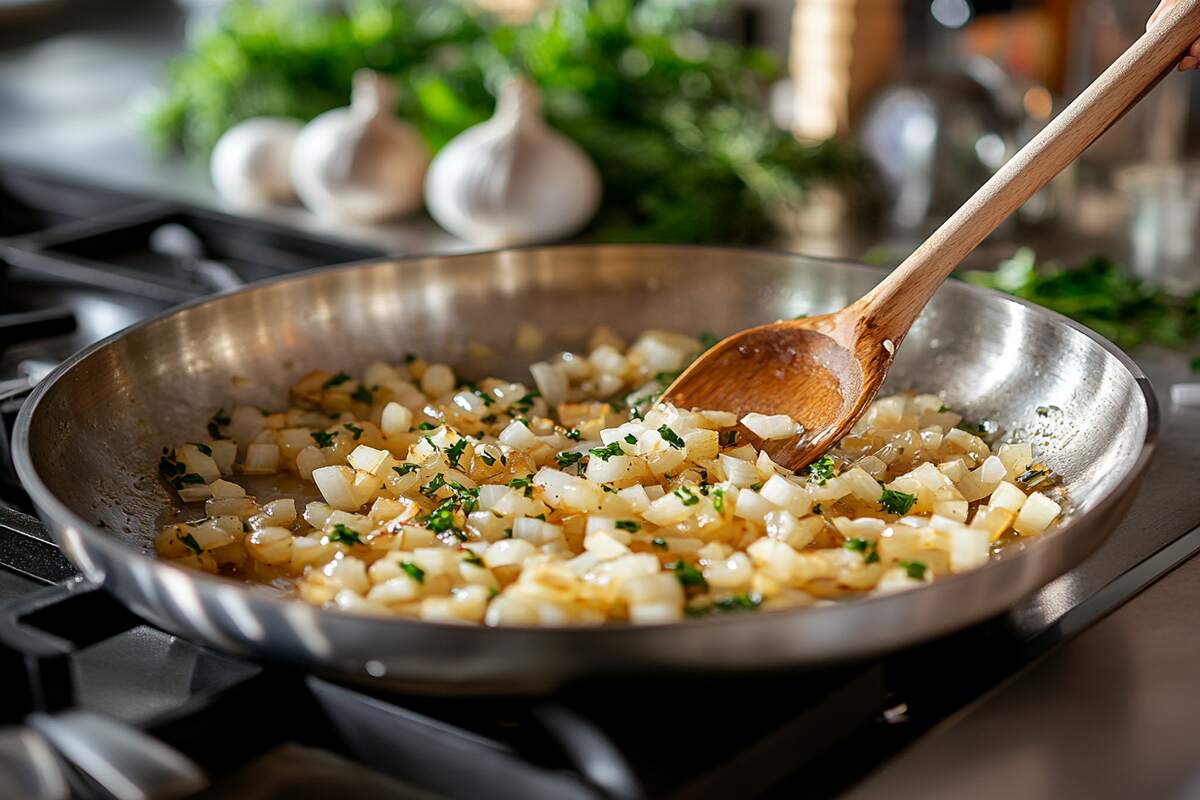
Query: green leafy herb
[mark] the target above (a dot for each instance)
(738, 602)
(718, 500)
(670, 437)
(454, 453)
(688, 575)
(983, 428)
(362, 395)
(754, 487)
(686, 496)
(574, 434)
(630, 438)
(218, 419)
(410, 358)
(473, 559)
(628, 525)
(435, 483)
(605, 453)
(943, 408)
(345, 535)
(729, 438)
(816, 509)
(1103, 296)
(354, 429)
(322, 438)
(821, 470)
(486, 458)
(659, 543)
(336, 380)
(867, 548)
(489, 419)
(202, 447)
(567, 459)
(895, 502)
(190, 543)
(404, 469)
(522, 483)
(190, 478)
(525, 402)
(915, 569)
(427, 426)
(441, 520)
(487, 399)
(414, 572)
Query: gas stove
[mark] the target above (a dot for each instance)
(102, 704)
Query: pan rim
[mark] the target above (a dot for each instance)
(48, 504)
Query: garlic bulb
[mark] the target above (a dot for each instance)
(360, 164)
(513, 179)
(249, 165)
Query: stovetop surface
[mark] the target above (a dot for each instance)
(263, 731)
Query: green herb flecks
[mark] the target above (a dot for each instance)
(688, 575)
(354, 429)
(345, 535)
(362, 395)
(404, 469)
(864, 546)
(915, 569)
(202, 447)
(190, 543)
(821, 470)
(215, 422)
(605, 453)
(413, 571)
(628, 525)
(336, 380)
(686, 496)
(670, 437)
(454, 453)
(718, 500)
(895, 502)
(323, 438)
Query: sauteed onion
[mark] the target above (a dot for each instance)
(580, 500)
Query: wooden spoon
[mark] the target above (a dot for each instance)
(824, 371)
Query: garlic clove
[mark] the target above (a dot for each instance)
(250, 163)
(360, 164)
(512, 179)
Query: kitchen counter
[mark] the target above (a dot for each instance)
(1110, 713)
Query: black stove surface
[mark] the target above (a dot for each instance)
(100, 701)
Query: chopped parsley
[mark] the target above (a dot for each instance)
(202, 447)
(659, 543)
(754, 487)
(218, 418)
(467, 499)
(686, 496)
(487, 399)
(336, 380)
(687, 574)
(472, 558)
(982, 428)
(441, 520)
(605, 453)
(718, 500)
(426, 426)
(404, 469)
(524, 403)
(897, 503)
(943, 408)
(454, 453)
(487, 459)
(525, 483)
(363, 395)
(867, 548)
(190, 478)
(414, 572)
(821, 470)
(915, 569)
(489, 419)
(343, 534)
(628, 525)
(670, 437)
(323, 438)
(816, 509)
(176, 473)
(354, 429)
(410, 358)
(738, 602)
(435, 483)
(630, 438)
(729, 438)
(567, 460)
(190, 543)
(574, 434)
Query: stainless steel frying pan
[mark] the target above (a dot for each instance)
(88, 440)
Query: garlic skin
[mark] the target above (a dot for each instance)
(512, 179)
(250, 163)
(360, 164)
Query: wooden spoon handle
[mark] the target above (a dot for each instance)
(891, 307)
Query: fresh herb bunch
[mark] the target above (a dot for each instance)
(1101, 295)
(675, 121)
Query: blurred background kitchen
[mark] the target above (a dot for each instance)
(833, 127)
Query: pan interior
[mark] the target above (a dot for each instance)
(97, 433)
